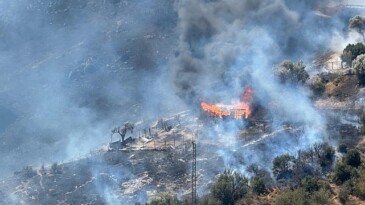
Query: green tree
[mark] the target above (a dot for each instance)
(318, 86)
(351, 52)
(359, 66)
(292, 73)
(258, 185)
(164, 199)
(342, 148)
(359, 183)
(320, 197)
(310, 184)
(326, 155)
(353, 158)
(342, 173)
(358, 23)
(281, 166)
(230, 187)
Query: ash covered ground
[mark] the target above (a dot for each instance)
(160, 159)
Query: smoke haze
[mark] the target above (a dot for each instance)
(71, 70)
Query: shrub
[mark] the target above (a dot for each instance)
(310, 184)
(318, 86)
(359, 184)
(164, 199)
(28, 172)
(230, 187)
(327, 155)
(320, 197)
(55, 168)
(352, 158)
(359, 66)
(344, 192)
(292, 73)
(258, 185)
(297, 197)
(342, 148)
(351, 52)
(281, 166)
(208, 200)
(342, 173)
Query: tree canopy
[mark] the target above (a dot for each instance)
(351, 52)
(230, 187)
(359, 66)
(291, 73)
(353, 158)
(281, 166)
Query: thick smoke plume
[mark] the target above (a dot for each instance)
(225, 46)
(71, 70)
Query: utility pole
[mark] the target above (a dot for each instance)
(193, 176)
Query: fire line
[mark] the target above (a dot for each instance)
(237, 111)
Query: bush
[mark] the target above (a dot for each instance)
(342, 173)
(281, 166)
(318, 86)
(310, 184)
(351, 52)
(208, 200)
(164, 199)
(327, 155)
(56, 169)
(344, 192)
(230, 187)
(297, 197)
(342, 148)
(292, 73)
(28, 172)
(320, 197)
(352, 158)
(359, 184)
(258, 185)
(301, 197)
(359, 66)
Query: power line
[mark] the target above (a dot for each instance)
(193, 176)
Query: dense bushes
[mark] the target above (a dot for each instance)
(302, 197)
(359, 183)
(342, 173)
(304, 176)
(281, 166)
(359, 66)
(230, 187)
(291, 73)
(352, 158)
(351, 52)
(258, 185)
(318, 86)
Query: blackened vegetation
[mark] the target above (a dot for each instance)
(85, 181)
(316, 161)
(307, 180)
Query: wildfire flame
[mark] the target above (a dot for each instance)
(238, 110)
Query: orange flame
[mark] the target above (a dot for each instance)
(238, 110)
